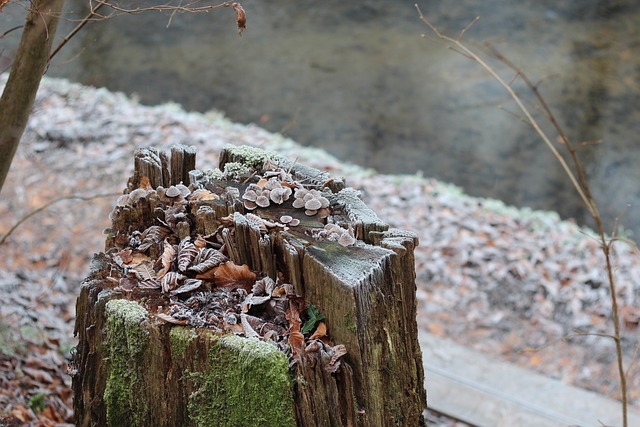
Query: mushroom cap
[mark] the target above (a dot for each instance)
(298, 203)
(346, 239)
(300, 193)
(262, 201)
(310, 212)
(137, 194)
(123, 200)
(172, 191)
(308, 196)
(286, 219)
(272, 184)
(248, 204)
(313, 204)
(324, 201)
(277, 195)
(294, 222)
(324, 212)
(250, 195)
(184, 190)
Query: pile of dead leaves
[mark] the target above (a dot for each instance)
(186, 278)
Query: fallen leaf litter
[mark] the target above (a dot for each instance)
(80, 139)
(188, 279)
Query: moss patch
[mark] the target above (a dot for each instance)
(180, 338)
(251, 156)
(235, 170)
(126, 344)
(247, 384)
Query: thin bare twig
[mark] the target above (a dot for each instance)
(580, 182)
(47, 205)
(464, 50)
(85, 20)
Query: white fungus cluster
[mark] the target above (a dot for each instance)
(335, 233)
(265, 192)
(312, 201)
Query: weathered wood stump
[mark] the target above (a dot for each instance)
(263, 293)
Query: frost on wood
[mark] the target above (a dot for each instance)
(261, 295)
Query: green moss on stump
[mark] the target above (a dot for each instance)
(247, 384)
(180, 338)
(126, 344)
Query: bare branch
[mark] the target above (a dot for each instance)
(47, 205)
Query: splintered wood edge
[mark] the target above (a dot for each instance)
(363, 219)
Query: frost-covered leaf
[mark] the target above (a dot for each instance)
(189, 285)
(186, 253)
(336, 354)
(207, 259)
(170, 319)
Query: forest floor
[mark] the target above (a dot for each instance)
(518, 284)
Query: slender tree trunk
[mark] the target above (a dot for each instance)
(27, 70)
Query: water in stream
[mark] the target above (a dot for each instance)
(357, 79)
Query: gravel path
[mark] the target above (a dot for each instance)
(501, 280)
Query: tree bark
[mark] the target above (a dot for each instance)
(28, 68)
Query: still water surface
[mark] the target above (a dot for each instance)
(357, 79)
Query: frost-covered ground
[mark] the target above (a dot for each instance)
(505, 281)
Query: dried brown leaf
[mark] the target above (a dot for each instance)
(153, 235)
(145, 183)
(320, 333)
(170, 319)
(245, 321)
(296, 341)
(241, 17)
(207, 259)
(171, 280)
(200, 243)
(168, 256)
(187, 252)
(189, 285)
(125, 256)
(252, 300)
(230, 275)
(334, 364)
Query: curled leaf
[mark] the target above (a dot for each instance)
(189, 285)
(296, 341)
(241, 17)
(320, 333)
(246, 325)
(170, 319)
(153, 235)
(186, 253)
(168, 256)
(207, 259)
(171, 280)
(338, 351)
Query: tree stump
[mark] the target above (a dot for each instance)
(262, 293)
